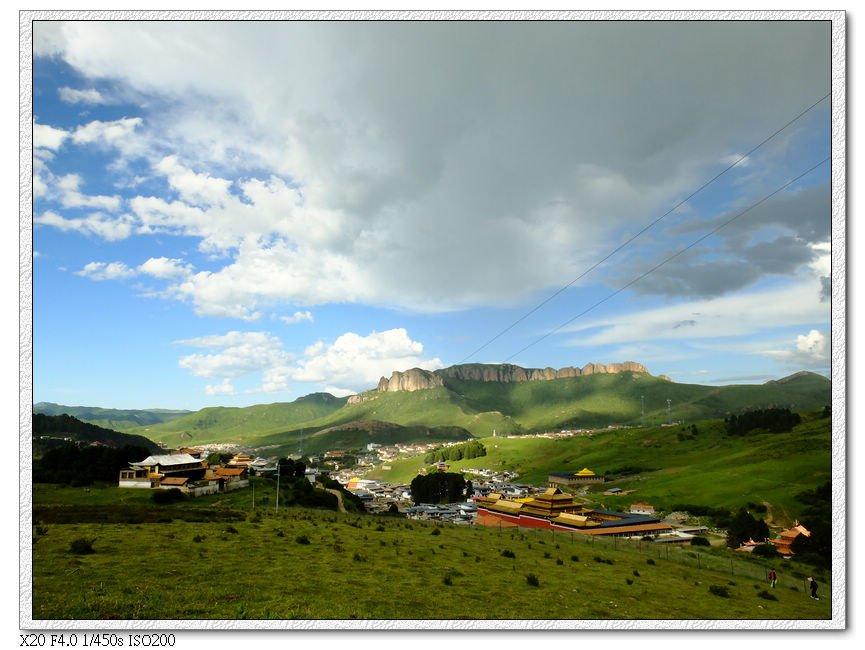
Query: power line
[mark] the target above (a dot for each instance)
(649, 226)
(672, 257)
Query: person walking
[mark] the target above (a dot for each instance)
(813, 584)
(773, 577)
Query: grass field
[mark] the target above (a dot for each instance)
(713, 469)
(308, 564)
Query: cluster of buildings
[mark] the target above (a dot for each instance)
(187, 471)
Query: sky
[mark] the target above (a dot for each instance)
(233, 213)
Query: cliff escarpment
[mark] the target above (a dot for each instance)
(418, 379)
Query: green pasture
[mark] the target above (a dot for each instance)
(713, 469)
(307, 564)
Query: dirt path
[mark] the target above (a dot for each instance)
(338, 496)
(770, 521)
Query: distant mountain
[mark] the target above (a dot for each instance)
(116, 419)
(471, 399)
(54, 430)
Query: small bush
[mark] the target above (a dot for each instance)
(447, 580)
(359, 558)
(650, 561)
(559, 561)
(629, 581)
(41, 530)
(765, 550)
(198, 539)
(636, 573)
(436, 531)
(575, 558)
(532, 580)
(302, 539)
(82, 546)
(231, 529)
(163, 497)
(700, 541)
(508, 553)
(723, 592)
(765, 595)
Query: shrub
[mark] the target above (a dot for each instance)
(231, 529)
(436, 531)
(82, 546)
(532, 580)
(302, 539)
(700, 541)
(508, 553)
(559, 561)
(447, 580)
(765, 550)
(575, 558)
(723, 592)
(198, 539)
(765, 595)
(650, 561)
(636, 573)
(163, 497)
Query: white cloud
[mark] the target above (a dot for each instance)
(350, 364)
(811, 350)
(105, 271)
(70, 196)
(48, 137)
(165, 268)
(76, 96)
(234, 354)
(98, 224)
(112, 133)
(357, 362)
(225, 388)
(741, 314)
(297, 317)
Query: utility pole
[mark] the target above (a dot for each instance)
(277, 484)
(642, 410)
(669, 412)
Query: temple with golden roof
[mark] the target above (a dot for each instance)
(584, 477)
(555, 510)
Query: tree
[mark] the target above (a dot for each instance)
(744, 526)
(439, 487)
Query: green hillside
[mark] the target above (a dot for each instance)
(114, 419)
(50, 431)
(483, 407)
(244, 425)
(664, 466)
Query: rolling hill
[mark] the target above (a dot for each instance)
(480, 407)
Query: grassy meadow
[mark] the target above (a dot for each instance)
(711, 469)
(309, 564)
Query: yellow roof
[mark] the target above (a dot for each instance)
(585, 472)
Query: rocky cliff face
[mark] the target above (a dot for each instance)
(417, 379)
(410, 380)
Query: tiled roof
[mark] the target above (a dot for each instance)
(167, 460)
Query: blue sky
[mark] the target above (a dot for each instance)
(231, 213)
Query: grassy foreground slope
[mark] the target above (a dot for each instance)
(712, 469)
(306, 564)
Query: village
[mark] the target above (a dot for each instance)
(492, 498)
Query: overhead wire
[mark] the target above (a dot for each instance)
(644, 230)
(672, 257)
